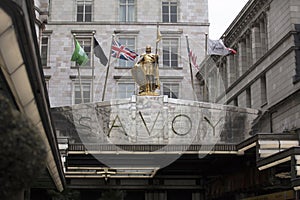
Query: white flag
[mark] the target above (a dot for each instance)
(217, 47)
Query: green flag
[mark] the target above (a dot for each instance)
(79, 55)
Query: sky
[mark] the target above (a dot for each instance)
(221, 13)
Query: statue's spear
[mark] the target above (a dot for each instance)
(158, 38)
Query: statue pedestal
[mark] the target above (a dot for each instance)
(149, 94)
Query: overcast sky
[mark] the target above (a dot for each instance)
(221, 13)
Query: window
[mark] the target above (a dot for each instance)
(171, 90)
(224, 74)
(86, 91)
(85, 43)
(260, 39)
(44, 50)
(248, 97)
(235, 101)
(263, 88)
(169, 11)
(47, 81)
(127, 10)
(170, 53)
(130, 44)
(296, 77)
(84, 11)
(126, 90)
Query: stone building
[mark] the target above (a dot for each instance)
(264, 74)
(243, 143)
(135, 25)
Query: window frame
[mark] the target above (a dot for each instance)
(85, 42)
(169, 13)
(127, 13)
(76, 84)
(170, 51)
(127, 94)
(263, 90)
(45, 57)
(170, 87)
(84, 4)
(127, 64)
(248, 98)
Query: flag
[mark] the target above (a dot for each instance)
(217, 47)
(79, 55)
(120, 51)
(192, 56)
(99, 53)
(193, 59)
(232, 51)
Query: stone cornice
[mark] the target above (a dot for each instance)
(72, 23)
(249, 15)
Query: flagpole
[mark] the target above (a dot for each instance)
(158, 38)
(206, 37)
(107, 70)
(191, 71)
(78, 70)
(93, 65)
(205, 72)
(81, 90)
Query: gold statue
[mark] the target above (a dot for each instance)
(146, 73)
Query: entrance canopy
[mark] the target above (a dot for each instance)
(136, 137)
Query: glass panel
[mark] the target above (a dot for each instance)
(165, 18)
(170, 53)
(169, 11)
(263, 90)
(173, 18)
(79, 8)
(166, 58)
(84, 11)
(173, 9)
(88, 8)
(126, 90)
(171, 90)
(85, 90)
(80, 13)
(174, 63)
(130, 13)
(44, 51)
(122, 13)
(80, 17)
(127, 10)
(165, 12)
(88, 17)
(165, 9)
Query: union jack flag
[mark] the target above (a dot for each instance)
(120, 51)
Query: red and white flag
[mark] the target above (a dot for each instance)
(217, 47)
(193, 59)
